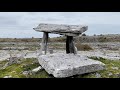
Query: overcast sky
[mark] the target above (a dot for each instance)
(21, 24)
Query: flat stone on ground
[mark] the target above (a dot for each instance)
(65, 65)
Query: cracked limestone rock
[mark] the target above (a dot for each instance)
(69, 30)
(65, 65)
(37, 69)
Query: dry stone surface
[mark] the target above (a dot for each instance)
(65, 65)
(69, 30)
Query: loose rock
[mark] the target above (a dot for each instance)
(25, 73)
(110, 74)
(116, 68)
(37, 69)
(8, 77)
(97, 75)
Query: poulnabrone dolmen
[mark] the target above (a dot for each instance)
(71, 63)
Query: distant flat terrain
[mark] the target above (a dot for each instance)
(105, 48)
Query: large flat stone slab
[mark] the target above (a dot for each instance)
(63, 29)
(65, 65)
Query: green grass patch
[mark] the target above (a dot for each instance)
(15, 70)
(41, 74)
(112, 69)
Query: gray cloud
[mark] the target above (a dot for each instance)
(20, 24)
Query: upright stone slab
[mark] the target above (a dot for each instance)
(65, 65)
(70, 47)
(62, 29)
(44, 42)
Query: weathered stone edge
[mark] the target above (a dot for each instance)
(81, 70)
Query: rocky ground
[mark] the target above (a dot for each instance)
(27, 65)
(30, 68)
(107, 54)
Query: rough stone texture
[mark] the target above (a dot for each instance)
(111, 55)
(65, 65)
(11, 60)
(97, 75)
(110, 74)
(70, 30)
(26, 73)
(37, 69)
(115, 68)
(44, 43)
(8, 77)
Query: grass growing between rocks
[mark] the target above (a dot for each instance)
(112, 69)
(16, 70)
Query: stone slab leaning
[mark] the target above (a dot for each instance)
(66, 65)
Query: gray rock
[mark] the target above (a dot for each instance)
(110, 74)
(70, 30)
(12, 60)
(65, 65)
(37, 69)
(115, 68)
(51, 51)
(25, 73)
(8, 77)
(118, 75)
(97, 75)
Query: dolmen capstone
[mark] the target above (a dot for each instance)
(68, 30)
(69, 64)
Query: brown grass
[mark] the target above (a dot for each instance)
(83, 47)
